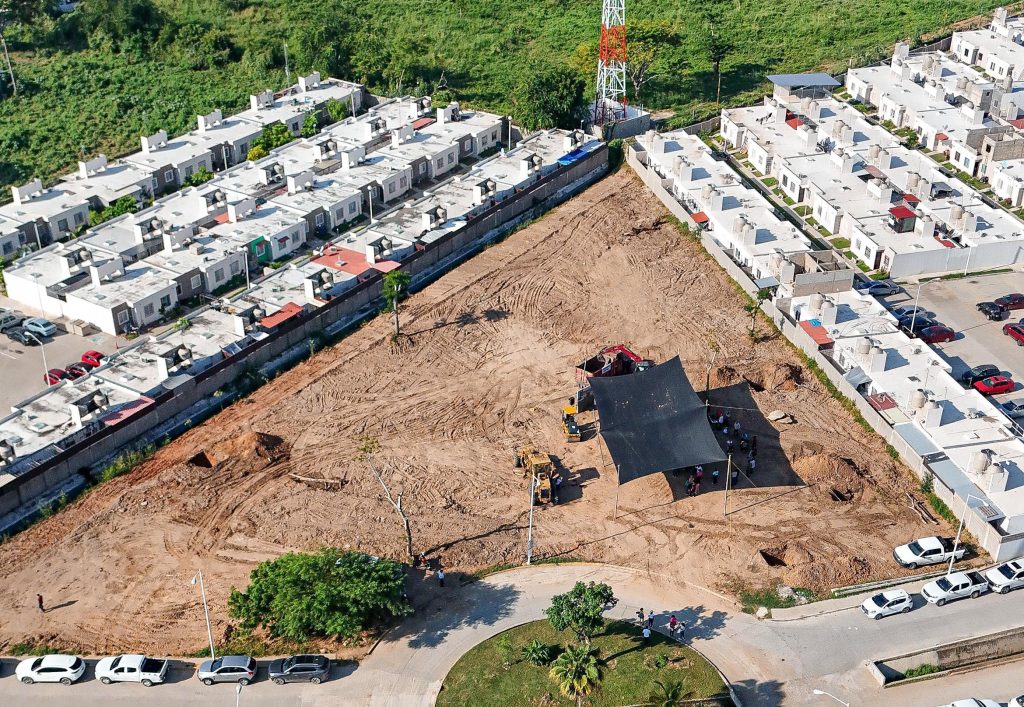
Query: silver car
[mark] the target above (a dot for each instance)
(228, 668)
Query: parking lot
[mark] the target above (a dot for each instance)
(979, 340)
(22, 368)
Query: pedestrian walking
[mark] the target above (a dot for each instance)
(39, 603)
(728, 446)
(421, 561)
(640, 616)
(647, 634)
(650, 619)
(672, 621)
(736, 428)
(689, 486)
(751, 467)
(714, 476)
(725, 429)
(681, 631)
(698, 473)
(440, 576)
(556, 496)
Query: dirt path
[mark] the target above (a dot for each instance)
(485, 367)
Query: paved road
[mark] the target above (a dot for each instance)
(769, 662)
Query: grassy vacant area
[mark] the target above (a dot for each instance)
(86, 90)
(629, 669)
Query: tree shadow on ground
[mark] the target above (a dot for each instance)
(767, 694)
(462, 320)
(463, 602)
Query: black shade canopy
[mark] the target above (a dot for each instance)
(653, 422)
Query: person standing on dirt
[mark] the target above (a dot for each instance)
(672, 622)
(440, 576)
(650, 619)
(640, 616)
(647, 635)
(696, 487)
(689, 486)
(39, 603)
(698, 473)
(736, 428)
(714, 476)
(751, 466)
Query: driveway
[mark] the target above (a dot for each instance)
(768, 662)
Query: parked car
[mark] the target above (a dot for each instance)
(54, 376)
(891, 601)
(992, 310)
(908, 311)
(93, 357)
(228, 668)
(40, 326)
(915, 325)
(978, 373)
(131, 668)
(77, 370)
(1014, 300)
(1013, 408)
(995, 385)
(926, 551)
(973, 702)
(11, 319)
(22, 337)
(936, 334)
(1015, 332)
(1017, 701)
(955, 586)
(64, 669)
(882, 288)
(300, 668)
(1007, 576)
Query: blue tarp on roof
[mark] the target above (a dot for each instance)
(803, 80)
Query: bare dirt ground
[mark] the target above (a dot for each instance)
(485, 366)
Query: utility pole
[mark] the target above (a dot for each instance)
(10, 69)
(287, 70)
(728, 482)
(206, 609)
(529, 532)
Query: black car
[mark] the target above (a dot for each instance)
(993, 311)
(22, 336)
(300, 668)
(912, 326)
(978, 373)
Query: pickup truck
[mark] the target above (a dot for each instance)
(1007, 576)
(926, 551)
(131, 668)
(955, 586)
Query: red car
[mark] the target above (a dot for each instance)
(1014, 300)
(1015, 332)
(936, 334)
(994, 385)
(93, 357)
(77, 370)
(54, 376)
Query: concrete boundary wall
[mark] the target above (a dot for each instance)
(970, 652)
(53, 467)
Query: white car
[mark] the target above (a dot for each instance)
(39, 326)
(132, 668)
(1007, 576)
(891, 601)
(1017, 701)
(973, 702)
(955, 586)
(927, 551)
(64, 669)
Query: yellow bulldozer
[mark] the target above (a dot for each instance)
(537, 465)
(569, 425)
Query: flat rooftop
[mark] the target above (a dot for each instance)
(179, 150)
(116, 180)
(51, 202)
(138, 282)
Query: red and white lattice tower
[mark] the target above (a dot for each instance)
(611, 64)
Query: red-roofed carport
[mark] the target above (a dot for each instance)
(902, 212)
(282, 315)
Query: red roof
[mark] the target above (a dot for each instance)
(939, 137)
(901, 212)
(1019, 123)
(816, 332)
(422, 122)
(127, 410)
(282, 315)
(881, 401)
(911, 199)
(700, 217)
(794, 123)
(352, 261)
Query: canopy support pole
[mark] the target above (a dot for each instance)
(617, 484)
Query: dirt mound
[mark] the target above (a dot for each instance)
(832, 473)
(775, 376)
(248, 446)
(824, 575)
(723, 376)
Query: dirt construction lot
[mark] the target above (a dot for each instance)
(486, 365)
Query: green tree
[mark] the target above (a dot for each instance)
(256, 152)
(182, 325)
(122, 20)
(124, 205)
(327, 593)
(537, 652)
(336, 110)
(310, 125)
(395, 287)
(649, 45)
(581, 609)
(274, 135)
(718, 48)
(668, 694)
(199, 47)
(15, 12)
(577, 672)
(199, 177)
(549, 97)
(754, 306)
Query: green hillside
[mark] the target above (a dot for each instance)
(95, 79)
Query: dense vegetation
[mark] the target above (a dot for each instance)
(95, 79)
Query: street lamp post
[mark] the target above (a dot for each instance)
(206, 609)
(245, 265)
(959, 530)
(529, 532)
(42, 350)
(917, 298)
(509, 132)
(829, 694)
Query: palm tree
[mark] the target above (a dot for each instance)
(396, 282)
(577, 672)
(668, 694)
